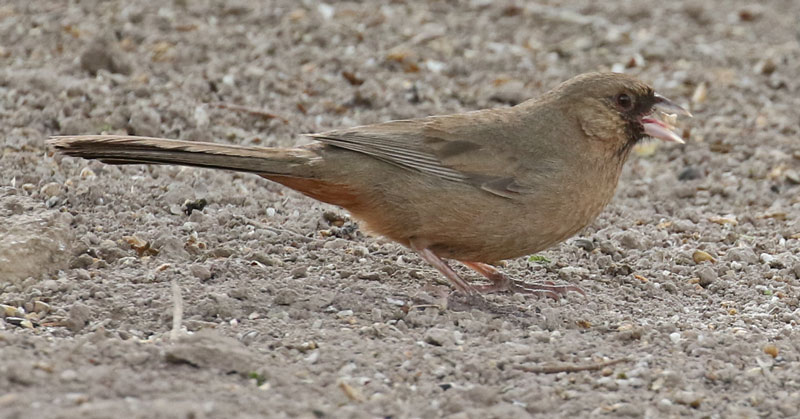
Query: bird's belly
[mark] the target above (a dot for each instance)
(472, 225)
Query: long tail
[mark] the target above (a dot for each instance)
(120, 149)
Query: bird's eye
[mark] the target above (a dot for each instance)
(624, 101)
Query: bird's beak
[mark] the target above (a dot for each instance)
(662, 130)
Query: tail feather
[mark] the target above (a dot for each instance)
(119, 149)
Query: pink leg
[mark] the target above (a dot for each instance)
(446, 270)
(500, 282)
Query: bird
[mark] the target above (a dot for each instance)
(478, 187)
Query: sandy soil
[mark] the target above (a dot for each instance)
(289, 310)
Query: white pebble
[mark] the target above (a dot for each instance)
(201, 118)
(326, 10)
(344, 313)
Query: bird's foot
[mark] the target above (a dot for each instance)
(501, 282)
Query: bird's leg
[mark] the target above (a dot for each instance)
(446, 270)
(501, 282)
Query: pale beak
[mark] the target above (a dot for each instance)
(657, 128)
(667, 106)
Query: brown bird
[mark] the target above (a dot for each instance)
(477, 187)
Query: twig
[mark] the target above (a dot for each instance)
(177, 311)
(252, 111)
(555, 369)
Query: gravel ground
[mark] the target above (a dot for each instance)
(289, 310)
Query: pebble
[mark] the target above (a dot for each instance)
(41, 307)
(665, 405)
(200, 272)
(771, 350)
(700, 256)
(690, 173)
(78, 317)
(51, 189)
(299, 272)
(10, 311)
(145, 121)
(688, 398)
(344, 313)
(707, 275)
(208, 349)
(376, 315)
(632, 240)
(69, 375)
(285, 297)
(683, 226)
(102, 55)
(766, 258)
(439, 337)
(584, 244)
(19, 321)
(742, 254)
(360, 251)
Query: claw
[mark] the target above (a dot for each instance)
(500, 282)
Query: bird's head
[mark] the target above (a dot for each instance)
(617, 109)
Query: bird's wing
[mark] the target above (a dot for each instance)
(473, 148)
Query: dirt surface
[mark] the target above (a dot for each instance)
(289, 310)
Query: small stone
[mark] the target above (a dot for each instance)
(584, 244)
(285, 297)
(688, 398)
(344, 314)
(9, 311)
(766, 67)
(87, 173)
(700, 93)
(376, 315)
(145, 121)
(264, 259)
(370, 276)
(50, 285)
(700, 256)
(19, 321)
(82, 261)
(766, 258)
(78, 318)
(103, 55)
(360, 251)
(707, 276)
(209, 349)
(439, 337)
(683, 226)
(771, 350)
(792, 176)
(51, 189)
(685, 191)
(299, 272)
(41, 307)
(200, 272)
(742, 254)
(690, 173)
(69, 375)
(632, 240)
